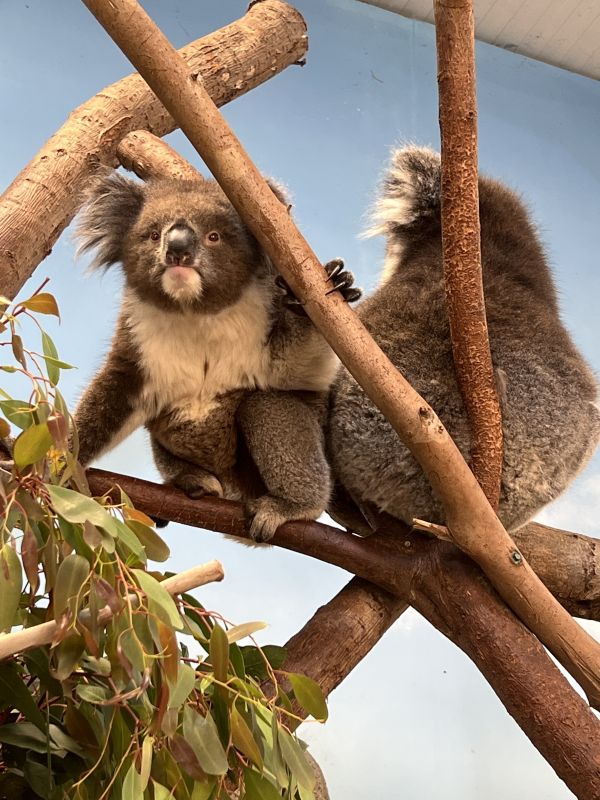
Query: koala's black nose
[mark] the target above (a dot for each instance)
(180, 243)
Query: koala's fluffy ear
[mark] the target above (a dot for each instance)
(111, 208)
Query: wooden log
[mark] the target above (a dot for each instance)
(468, 512)
(461, 248)
(445, 587)
(44, 197)
(149, 157)
(25, 639)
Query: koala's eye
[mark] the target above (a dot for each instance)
(212, 238)
(155, 236)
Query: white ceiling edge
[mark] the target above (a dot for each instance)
(564, 33)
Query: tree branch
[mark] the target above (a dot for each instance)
(568, 562)
(229, 62)
(467, 511)
(149, 157)
(461, 245)
(444, 586)
(25, 639)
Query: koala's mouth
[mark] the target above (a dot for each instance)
(181, 282)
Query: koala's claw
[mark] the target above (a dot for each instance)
(343, 281)
(199, 484)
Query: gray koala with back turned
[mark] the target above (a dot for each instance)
(547, 391)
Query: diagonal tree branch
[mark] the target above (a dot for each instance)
(461, 247)
(467, 511)
(229, 62)
(149, 157)
(444, 586)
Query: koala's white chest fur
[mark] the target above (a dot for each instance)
(188, 359)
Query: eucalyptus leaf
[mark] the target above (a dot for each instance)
(154, 591)
(202, 790)
(14, 694)
(18, 412)
(42, 303)
(73, 572)
(156, 549)
(76, 507)
(50, 356)
(91, 693)
(219, 653)
(186, 680)
(245, 629)
(132, 785)
(201, 734)
(294, 757)
(11, 584)
(243, 738)
(32, 445)
(161, 792)
(308, 693)
(257, 787)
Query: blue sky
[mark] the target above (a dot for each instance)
(415, 719)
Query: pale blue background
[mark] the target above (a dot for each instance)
(415, 720)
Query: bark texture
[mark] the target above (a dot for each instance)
(461, 249)
(468, 512)
(149, 157)
(45, 196)
(444, 586)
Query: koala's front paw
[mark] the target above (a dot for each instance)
(341, 281)
(267, 513)
(198, 483)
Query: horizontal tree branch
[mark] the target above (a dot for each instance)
(44, 197)
(468, 512)
(444, 586)
(25, 639)
(568, 563)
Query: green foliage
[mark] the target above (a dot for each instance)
(115, 706)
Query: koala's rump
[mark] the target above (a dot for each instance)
(551, 424)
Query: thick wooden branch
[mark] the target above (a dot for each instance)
(467, 511)
(25, 639)
(569, 563)
(445, 587)
(45, 196)
(149, 157)
(455, 37)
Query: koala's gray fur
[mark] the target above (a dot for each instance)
(202, 323)
(548, 393)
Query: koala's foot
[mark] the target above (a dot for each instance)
(197, 483)
(341, 281)
(267, 513)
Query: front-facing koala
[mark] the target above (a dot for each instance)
(202, 322)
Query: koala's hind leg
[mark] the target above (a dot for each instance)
(190, 478)
(284, 436)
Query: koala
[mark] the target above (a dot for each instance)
(547, 392)
(202, 323)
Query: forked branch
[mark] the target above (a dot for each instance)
(472, 523)
(445, 587)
